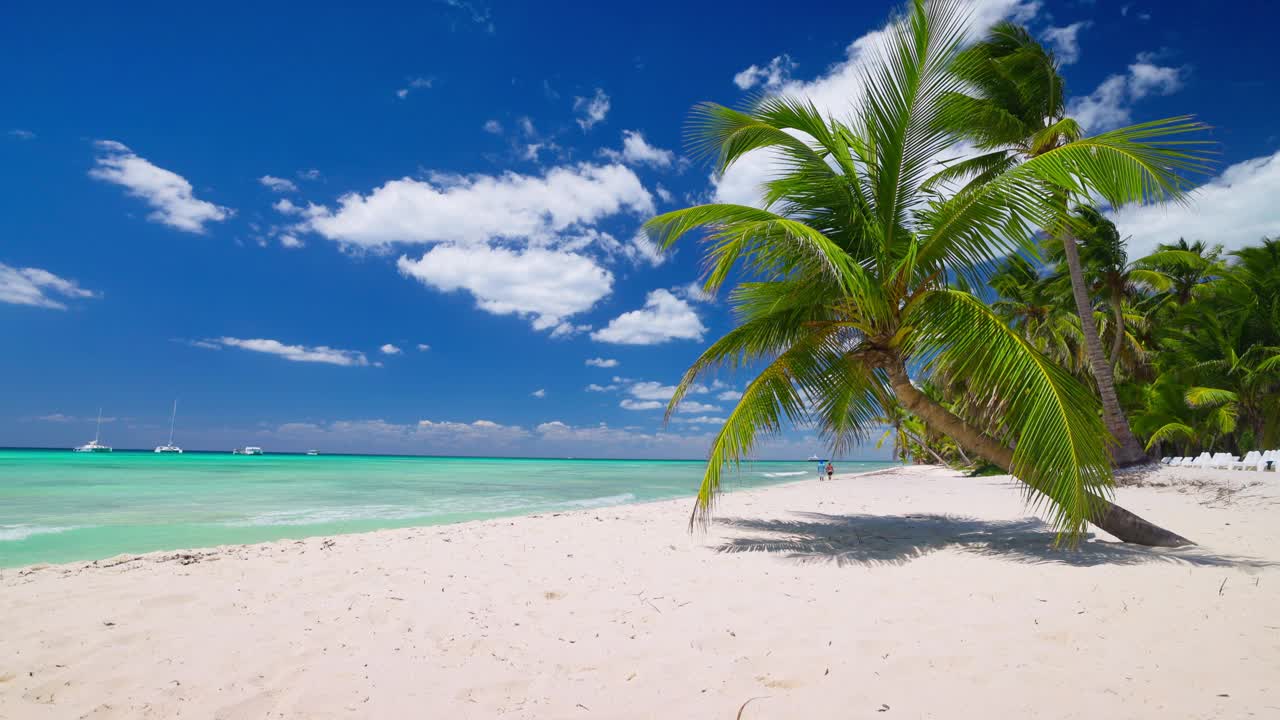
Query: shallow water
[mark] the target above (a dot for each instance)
(58, 506)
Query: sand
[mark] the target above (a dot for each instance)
(916, 593)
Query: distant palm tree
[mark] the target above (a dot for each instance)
(1187, 265)
(1108, 274)
(846, 292)
(1032, 306)
(1013, 108)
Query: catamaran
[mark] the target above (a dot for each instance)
(170, 447)
(247, 450)
(94, 446)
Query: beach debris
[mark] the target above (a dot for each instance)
(327, 543)
(584, 707)
(744, 705)
(1224, 584)
(108, 623)
(883, 708)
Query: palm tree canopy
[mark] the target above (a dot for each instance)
(846, 268)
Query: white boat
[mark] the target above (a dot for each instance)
(94, 446)
(313, 452)
(247, 450)
(814, 458)
(170, 447)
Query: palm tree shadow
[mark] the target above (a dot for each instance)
(898, 539)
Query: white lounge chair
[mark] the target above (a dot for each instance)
(1222, 460)
(1201, 461)
(1252, 460)
(1270, 460)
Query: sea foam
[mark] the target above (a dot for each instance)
(603, 501)
(15, 533)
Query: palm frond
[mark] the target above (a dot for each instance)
(1061, 450)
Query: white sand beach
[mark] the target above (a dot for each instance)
(914, 593)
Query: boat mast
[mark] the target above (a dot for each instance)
(98, 431)
(173, 417)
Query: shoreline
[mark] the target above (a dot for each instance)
(822, 598)
(186, 553)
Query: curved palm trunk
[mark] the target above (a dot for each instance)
(1129, 452)
(1114, 519)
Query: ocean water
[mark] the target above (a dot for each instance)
(59, 506)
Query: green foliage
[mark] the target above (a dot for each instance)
(858, 267)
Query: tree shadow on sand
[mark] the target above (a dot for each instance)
(899, 539)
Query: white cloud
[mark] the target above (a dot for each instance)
(649, 390)
(664, 317)
(20, 134)
(60, 418)
(493, 127)
(418, 83)
(694, 291)
(1065, 41)
(568, 329)
(637, 151)
(539, 393)
(38, 288)
(168, 193)
(729, 395)
(1110, 104)
(693, 406)
(663, 194)
(1237, 208)
(592, 110)
(390, 349)
(279, 185)
(309, 174)
(290, 241)
(835, 92)
(595, 387)
(478, 14)
(482, 208)
(770, 77)
(285, 206)
(701, 420)
(295, 353)
(545, 285)
(602, 362)
(629, 404)
(641, 250)
(423, 347)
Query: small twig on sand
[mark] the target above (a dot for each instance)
(1224, 584)
(748, 702)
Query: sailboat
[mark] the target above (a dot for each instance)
(94, 446)
(170, 447)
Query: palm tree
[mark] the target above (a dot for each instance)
(1187, 265)
(1014, 109)
(846, 292)
(1032, 306)
(1107, 272)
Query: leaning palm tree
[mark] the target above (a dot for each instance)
(846, 292)
(1013, 108)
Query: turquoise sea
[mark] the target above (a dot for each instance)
(59, 506)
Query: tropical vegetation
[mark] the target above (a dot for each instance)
(883, 284)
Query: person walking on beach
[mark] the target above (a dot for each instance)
(831, 470)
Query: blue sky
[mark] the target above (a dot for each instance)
(408, 228)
